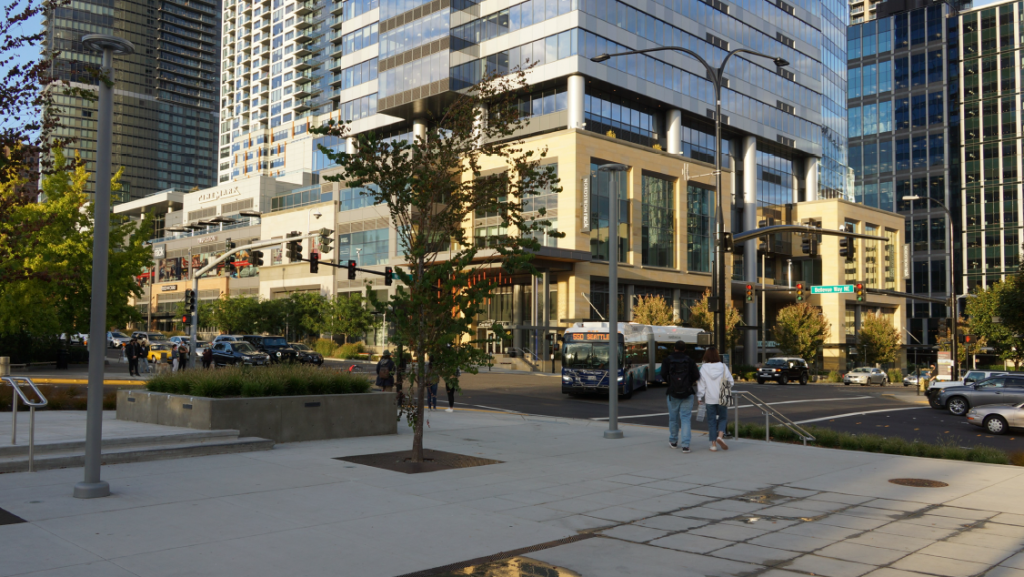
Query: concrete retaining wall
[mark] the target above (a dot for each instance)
(282, 419)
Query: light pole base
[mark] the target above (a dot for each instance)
(616, 434)
(85, 490)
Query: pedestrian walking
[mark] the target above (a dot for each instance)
(450, 389)
(715, 389)
(182, 357)
(207, 357)
(680, 374)
(385, 372)
(131, 350)
(432, 381)
(143, 345)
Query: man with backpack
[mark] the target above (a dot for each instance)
(681, 376)
(386, 372)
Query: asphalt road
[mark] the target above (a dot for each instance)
(889, 411)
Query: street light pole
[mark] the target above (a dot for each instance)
(92, 486)
(719, 287)
(952, 280)
(613, 431)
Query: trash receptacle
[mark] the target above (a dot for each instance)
(62, 358)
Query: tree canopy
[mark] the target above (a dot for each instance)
(653, 310)
(801, 330)
(702, 317)
(878, 340)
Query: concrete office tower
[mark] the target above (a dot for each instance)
(904, 122)
(165, 105)
(988, 221)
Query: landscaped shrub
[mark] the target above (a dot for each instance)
(879, 444)
(325, 347)
(348, 351)
(273, 381)
(834, 377)
(896, 376)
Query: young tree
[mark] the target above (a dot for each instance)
(236, 315)
(994, 318)
(45, 276)
(653, 310)
(801, 330)
(964, 326)
(432, 188)
(348, 315)
(702, 317)
(878, 340)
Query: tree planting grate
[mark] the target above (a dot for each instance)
(452, 568)
(9, 518)
(401, 461)
(918, 483)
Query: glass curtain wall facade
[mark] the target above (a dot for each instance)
(903, 110)
(165, 102)
(990, 195)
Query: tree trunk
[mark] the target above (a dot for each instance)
(417, 436)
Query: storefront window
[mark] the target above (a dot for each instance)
(699, 218)
(658, 222)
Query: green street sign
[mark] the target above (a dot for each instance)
(834, 289)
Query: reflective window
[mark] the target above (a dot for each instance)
(658, 221)
(601, 183)
(699, 216)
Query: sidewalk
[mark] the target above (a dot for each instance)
(758, 509)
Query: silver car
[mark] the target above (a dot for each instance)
(995, 391)
(997, 419)
(866, 376)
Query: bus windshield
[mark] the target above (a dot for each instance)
(587, 356)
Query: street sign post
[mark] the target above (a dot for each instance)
(833, 289)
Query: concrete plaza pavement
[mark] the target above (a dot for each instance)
(758, 509)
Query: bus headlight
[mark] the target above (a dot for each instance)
(622, 379)
(566, 379)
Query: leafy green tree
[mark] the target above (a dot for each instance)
(987, 310)
(964, 326)
(432, 187)
(801, 330)
(878, 340)
(653, 310)
(702, 317)
(237, 314)
(45, 276)
(349, 315)
(304, 313)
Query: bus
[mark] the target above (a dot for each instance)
(585, 355)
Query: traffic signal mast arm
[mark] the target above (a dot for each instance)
(752, 234)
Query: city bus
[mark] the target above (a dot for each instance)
(585, 355)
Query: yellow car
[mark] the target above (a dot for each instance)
(160, 352)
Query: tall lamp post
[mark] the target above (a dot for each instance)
(92, 486)
(613, 431)
(952, 279)
(719, 288)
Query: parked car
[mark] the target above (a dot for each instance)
(202, 346)
(306, 355)
(160, 351)
(276, 347)
(228, 339)
(176, 341)
(150, 336)
(998, 390)
(941, 383)
(117, 340)
(914, 379)
(238, 353)
(782, 370)
(997, 419)
(866, 376)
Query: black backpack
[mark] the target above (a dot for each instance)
(682, 376)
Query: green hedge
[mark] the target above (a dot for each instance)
(273, 381)
(878, 444)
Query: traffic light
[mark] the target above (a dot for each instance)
(325, 240)
(859, 290)
(190, 300)
(727, 242)
(969, 339)
(314, 263)
(844, 247)
(351, 270)
(750, 293)
(809, 246)
(228, 245)
(186, 320)
(257, 258)
(294, 251)
(762, 245)
(799, 292)
(388, 275)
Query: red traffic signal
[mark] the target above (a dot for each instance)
(389, 274)
(750, 293)
(799, 292)
(859, 290)
(184, 319)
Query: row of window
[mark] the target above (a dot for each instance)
(412, 74)
(881, 194)
(917, 111)
(358, 74)
(359, 39)
(415, 33)
(907, 29)
(916, 153)
(900, 73)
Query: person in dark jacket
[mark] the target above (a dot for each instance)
(386, 372)
(207, 357)
(182, 357)
(681, 375)
(132, 351)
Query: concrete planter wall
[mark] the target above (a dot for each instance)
(282, 419)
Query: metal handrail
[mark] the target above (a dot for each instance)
(768, 413)
(525, 351)
(13, 381)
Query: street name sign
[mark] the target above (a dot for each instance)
(833, 289)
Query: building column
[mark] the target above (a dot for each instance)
(350, 145)
(517, 316)
(576, 90)
(674, 131)
(419, 128)
(628, 308)
(677, 304)
(479, 123)
(811, 177)
(749, 159)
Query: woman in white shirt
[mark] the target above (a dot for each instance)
(715, 390)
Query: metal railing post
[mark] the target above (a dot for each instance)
(767, 427)
(14, 417)
(39, 402)
(31, 438)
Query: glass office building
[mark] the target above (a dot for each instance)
(165, 101)
(903, 131)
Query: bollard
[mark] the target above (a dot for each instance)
(5, 366)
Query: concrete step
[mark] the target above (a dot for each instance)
(185, 436)
(140, 453)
